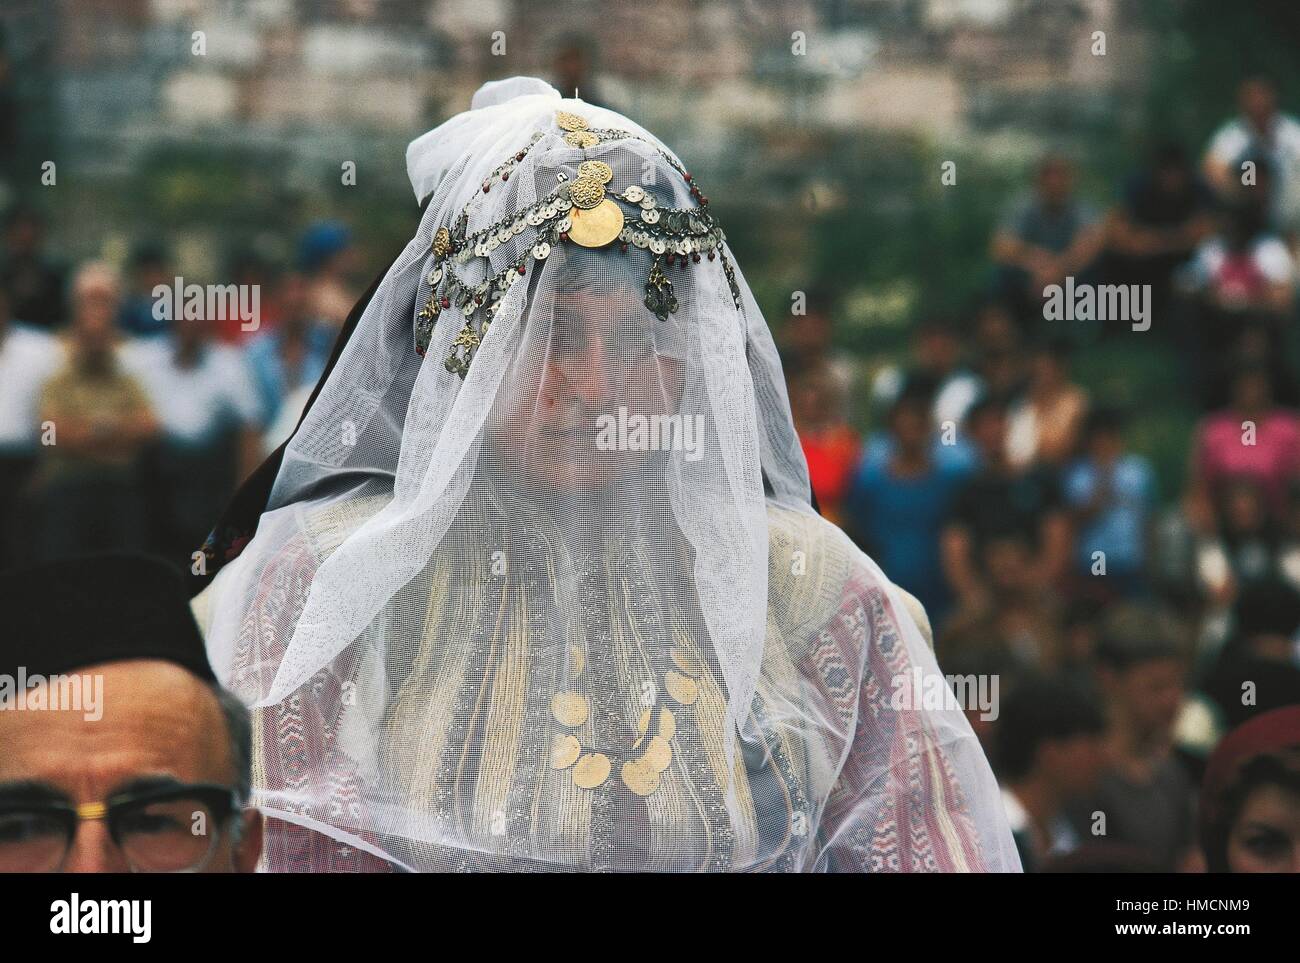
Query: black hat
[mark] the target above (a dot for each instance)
(65, 615)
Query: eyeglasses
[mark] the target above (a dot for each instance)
(168, 830)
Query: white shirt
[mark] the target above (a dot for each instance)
(28, 358)
(1269, 255)
(1231, 141)
(193, 404)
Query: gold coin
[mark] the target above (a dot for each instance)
(581, 138)
(565, 750)
(667, 723)
(591, 770)
(658, 754)
(577, 661)
(569, 708)
(639, 777)
(686, 661)
(681, 687)
(596, 227)
(597, 169)
(586, 192)
(568, 121)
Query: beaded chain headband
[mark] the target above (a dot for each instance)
(582, 211)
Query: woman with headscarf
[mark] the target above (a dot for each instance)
(537, 584)
(1250, 800)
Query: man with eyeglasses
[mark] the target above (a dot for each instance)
(119, 752)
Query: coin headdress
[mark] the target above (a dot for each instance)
(591, 211)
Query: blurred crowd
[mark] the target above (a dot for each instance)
(1128, 632)
(127, 420)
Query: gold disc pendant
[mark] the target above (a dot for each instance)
(658, 755)
(569, 708)
(682, 688)
(565, 751)
(591, 770)
(639, 777)
(596, 227)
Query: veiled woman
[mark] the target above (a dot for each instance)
(538, 584)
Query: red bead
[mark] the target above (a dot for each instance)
(505, 176)
(710, 255)
(683, 262)
(671, 259)
(446, 302)
(519, 156)
(695, 257)
(688, 178)
(521, 269)
(485, 188)
(564, 235)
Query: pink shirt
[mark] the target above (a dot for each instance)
(1273, 460)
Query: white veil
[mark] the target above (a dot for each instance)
(539, 585)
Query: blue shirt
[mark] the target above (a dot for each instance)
(269, 375)
(900, 520)
(1119, 528)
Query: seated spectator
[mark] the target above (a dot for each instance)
(999, 352)
(1043, 424)
(329, 261)
(208, 411)
(1260, 130)
(1111, 494)
(1049, 752)
(87, 480)
(1046, 237)
(830, 445)
(1146, 794)
(1165, 212)
(149, 268)
(937, 366)
(1251, 545)
(1258, 669)
(121, 752)
(999, 499)
(28, 357)
(1252, 438)
(34, 280)
(897, 505)
(1250, 801)
(1246, 266)
(806, 341)
(291, 356)
(1016, 621)
(250, 271)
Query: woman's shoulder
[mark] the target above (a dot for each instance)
(816, 574)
